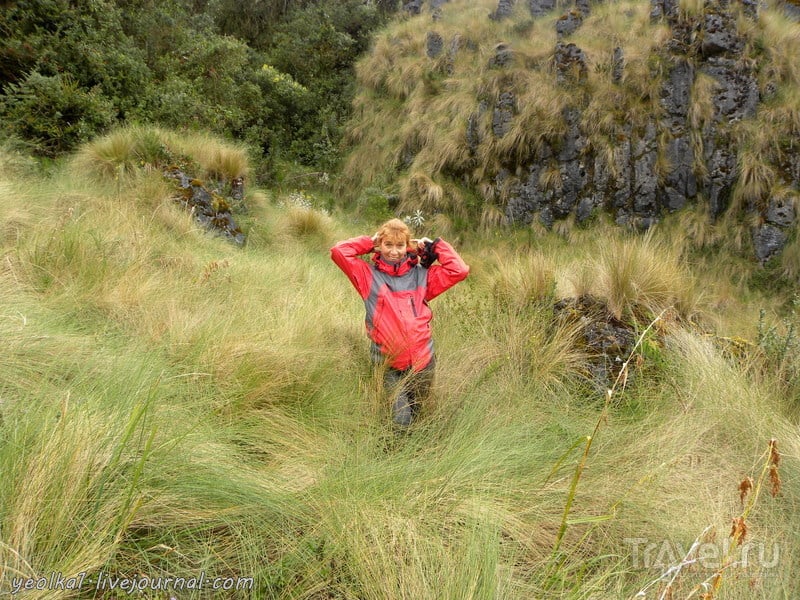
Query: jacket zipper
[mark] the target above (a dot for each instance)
(413, 308)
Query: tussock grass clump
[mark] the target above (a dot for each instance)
(782, 113)
(521, 281)
(701, 112)
(756, 178)
(125, 152)
(299, 217)
(217, 159)
(642, 274)
(637, 275)
(131, 150)
(780, 35)
(421, 190)
(304, 222)
(504, 323)
(700, 230)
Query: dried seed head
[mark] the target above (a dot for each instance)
(738, 530)
(744, 488)
(775, 480)
(774, 455)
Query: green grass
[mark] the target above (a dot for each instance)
(171, 404)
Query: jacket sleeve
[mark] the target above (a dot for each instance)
(345, 254)
(450, 270)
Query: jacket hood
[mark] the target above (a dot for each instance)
(408, 262)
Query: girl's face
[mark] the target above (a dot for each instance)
(392, 249)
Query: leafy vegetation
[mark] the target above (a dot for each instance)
(69, 71)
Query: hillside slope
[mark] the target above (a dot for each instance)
(525, 111)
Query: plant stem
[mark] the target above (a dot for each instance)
(621, 376)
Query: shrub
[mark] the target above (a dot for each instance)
(54, 112)
(373, 206)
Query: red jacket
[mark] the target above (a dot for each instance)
(396, 297)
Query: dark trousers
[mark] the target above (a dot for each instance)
(407, 390)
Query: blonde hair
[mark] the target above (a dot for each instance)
(394, 228)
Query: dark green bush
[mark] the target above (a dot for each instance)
(185, 63)
(54, 112)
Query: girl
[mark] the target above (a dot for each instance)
(396, 288)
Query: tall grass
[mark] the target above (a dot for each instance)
(130, 150)
(642, 273)
(171, 404)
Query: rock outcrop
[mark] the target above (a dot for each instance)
(211, 209)
(605, 341)
(685, 148)
(708, 44)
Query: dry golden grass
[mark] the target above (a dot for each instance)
(701, 111)
(303, 222)
(419, 190)
(602, 124)
(111, 156)
(550, 177)
(756, 178)
(635, 98)
(782, 38)
(269, 456)
(699, 231)
(436, 130)
(538, 121)
(431, 124)
(701, 105)
(130, 151)
(217, 158)
(374, 140)
(691, 8)
(492, 217)
(642, 276)
(519, 282)
(414, 111)
(394, 65)
(412, 115)
(782, 113)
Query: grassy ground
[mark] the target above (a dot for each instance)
(172, 405)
